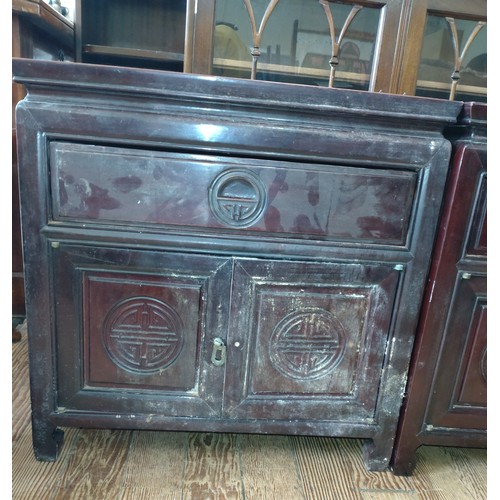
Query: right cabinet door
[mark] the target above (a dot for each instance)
(308, 339)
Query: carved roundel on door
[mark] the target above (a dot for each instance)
(237, 198)
(142, 335)
(307, 344)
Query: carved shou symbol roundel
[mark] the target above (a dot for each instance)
(237, 198)
(307, 344)
(142, 335)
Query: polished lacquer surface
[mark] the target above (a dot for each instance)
(214, 254)
(200, 191)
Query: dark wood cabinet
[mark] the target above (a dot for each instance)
(446, 401)
(225, 255)
(222, 254)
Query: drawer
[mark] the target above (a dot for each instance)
(103, 184)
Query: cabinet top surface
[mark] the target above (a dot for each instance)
(474, 112)
(115, 82)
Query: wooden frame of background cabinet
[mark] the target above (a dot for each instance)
(397, 51)
(406, 81)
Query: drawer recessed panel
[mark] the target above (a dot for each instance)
(298, 200)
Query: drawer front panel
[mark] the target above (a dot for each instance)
(126, 186)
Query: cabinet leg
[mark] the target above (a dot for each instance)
(47, 441)
(404, 460)
(377, 454)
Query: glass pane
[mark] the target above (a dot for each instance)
(296, 43)
(130, 33)
(437, 62)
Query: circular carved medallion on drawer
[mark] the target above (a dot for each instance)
(307, 344)
(142, 335)
(237, 198)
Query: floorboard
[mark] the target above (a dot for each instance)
(269, 469)
(155, 466)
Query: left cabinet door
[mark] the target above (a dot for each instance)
(134, 331)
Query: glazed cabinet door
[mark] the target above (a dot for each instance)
(135, 330)
(307, 340)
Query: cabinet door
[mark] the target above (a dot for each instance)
(307, 340)
(444, 50)
(347, 43)
(135, 330)
(459, 392)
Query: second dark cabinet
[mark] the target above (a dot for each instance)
(446, 401)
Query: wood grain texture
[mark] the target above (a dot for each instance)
(336, 465)
(372, 484)
(212, 469)
(140, 465)
(37, 480)
(159, 458)
(323, 468)
(269, 468)
(95, 465)
(20, 388)
(457, 473)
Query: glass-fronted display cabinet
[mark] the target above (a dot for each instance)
(453, 59)
(431, 48)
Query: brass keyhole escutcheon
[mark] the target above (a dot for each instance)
(218, 352)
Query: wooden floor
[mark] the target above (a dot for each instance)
(137, 465)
